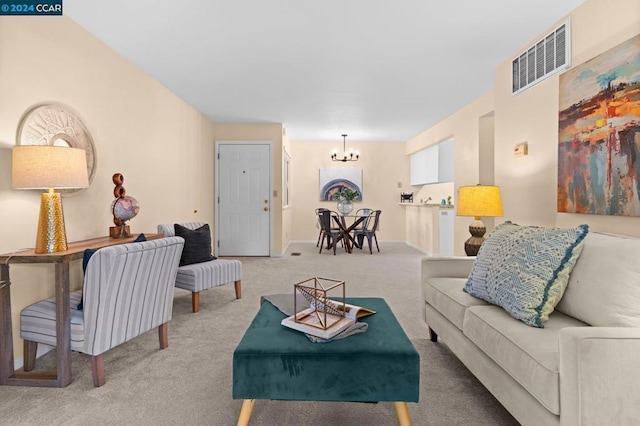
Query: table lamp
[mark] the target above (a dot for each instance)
(478, 201)
(49, 167)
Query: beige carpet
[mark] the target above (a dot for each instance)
(190, 382)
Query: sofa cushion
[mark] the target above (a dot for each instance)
(446, 295)
(529, 355)
(525, 269)
(604, 288)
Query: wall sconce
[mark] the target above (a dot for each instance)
(477, 201)
(49, 167)
(521, 149)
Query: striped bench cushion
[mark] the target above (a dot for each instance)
(38, 322)
(202, 276)
(206, 275)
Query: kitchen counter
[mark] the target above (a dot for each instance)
(447, 206)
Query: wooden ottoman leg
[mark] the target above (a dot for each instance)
(403, 413)
(238, 285)
(245, 412)
(195, 301)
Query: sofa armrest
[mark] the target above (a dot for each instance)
(599, 375)
(449, 266)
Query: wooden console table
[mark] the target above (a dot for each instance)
(60, 377)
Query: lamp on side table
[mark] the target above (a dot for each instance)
(49, 167)
(478, 201)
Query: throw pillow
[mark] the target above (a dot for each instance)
(86, 255)
(140, 238)
(197, 244)
(525, 269)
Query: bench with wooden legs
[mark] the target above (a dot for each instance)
(116, 287)
(273, 362)
(202, 276)
(402, 412)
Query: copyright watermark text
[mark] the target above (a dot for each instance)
(31, 7)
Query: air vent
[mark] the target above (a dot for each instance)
(548, 56)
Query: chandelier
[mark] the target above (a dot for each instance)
(350, 156)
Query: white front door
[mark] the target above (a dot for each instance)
(244, 207)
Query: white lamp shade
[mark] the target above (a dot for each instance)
(44, 167)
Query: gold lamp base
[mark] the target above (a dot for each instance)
(52, 235)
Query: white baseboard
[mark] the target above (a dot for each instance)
(381, 242)
(418, 248)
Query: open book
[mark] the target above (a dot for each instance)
(352, 311)
(326, 323)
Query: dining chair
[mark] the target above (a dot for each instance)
(331, 233)
(128, 290)
(365, 211)
(369, 231)
(319, 224)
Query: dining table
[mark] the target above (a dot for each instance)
(341, 221)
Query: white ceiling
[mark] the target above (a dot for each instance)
(378, 70)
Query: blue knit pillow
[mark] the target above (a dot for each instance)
(525, 269)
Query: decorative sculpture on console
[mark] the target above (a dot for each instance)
(123, 209)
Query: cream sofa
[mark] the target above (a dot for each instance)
(582, 368)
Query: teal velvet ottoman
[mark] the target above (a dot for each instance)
(276, 362)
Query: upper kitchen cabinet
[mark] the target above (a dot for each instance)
(433, 164)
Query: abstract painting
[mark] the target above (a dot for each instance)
(599, 134)
(334, 180)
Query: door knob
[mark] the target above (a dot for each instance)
(266, 209)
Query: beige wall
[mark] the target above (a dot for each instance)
(467, 127)
(529, 184)
(162, 146)
(383, 165)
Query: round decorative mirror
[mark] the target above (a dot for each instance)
(57, 124)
